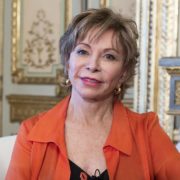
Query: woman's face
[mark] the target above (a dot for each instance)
(95, 67)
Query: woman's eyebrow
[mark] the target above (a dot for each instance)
(82, 43)
(104, 50)
(111, 49)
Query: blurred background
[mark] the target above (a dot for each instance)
(30, 68)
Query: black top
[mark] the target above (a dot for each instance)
(78, 174)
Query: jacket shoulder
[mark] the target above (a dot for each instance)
(45, 117)
(147, 119)
(29, 123)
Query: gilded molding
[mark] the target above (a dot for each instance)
(104, 3)
(20, 78)
(15, 34)
(19, 74)
(173, 70)
(177, 93)
(68, 12)
(25, 106)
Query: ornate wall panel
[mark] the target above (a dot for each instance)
(167, 47)
(171, 67)
(25, 106)
(36, 30)
(144, 89)
(157, 21)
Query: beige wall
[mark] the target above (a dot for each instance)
(1, 56)
(127, 7)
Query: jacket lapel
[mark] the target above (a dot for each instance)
(119, 139)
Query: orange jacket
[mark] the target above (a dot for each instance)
(136, 149)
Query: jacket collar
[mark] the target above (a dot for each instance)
(120, 136)
(50, 128)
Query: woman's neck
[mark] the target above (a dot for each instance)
(88, 111)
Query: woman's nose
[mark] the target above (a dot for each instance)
(93, 64)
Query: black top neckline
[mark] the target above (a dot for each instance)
(77, 171)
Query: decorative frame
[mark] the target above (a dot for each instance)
(158, 25)
(35, 54)
(174, 104)
(172, 66)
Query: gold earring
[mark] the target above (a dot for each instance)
(117, 91)
(67, 83)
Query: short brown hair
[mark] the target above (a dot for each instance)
(125, 30)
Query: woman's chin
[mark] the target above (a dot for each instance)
(88, 96)
(94, 96)
(91, 94)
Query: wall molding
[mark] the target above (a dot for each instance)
(26, 106)
(158, 26)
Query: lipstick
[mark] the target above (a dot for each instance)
(90, 81)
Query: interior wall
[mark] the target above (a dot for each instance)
(127, 8)
(1, 61)
(9, 87)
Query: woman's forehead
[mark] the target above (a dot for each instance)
(94, 34)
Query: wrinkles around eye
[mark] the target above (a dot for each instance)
(110, 57)
(82, 52)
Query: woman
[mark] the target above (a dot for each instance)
(90, 134)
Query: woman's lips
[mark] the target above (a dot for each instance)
(90, 81)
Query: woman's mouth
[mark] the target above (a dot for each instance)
(90, 81)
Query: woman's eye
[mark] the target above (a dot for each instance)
(110, 57)
(82, 52)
